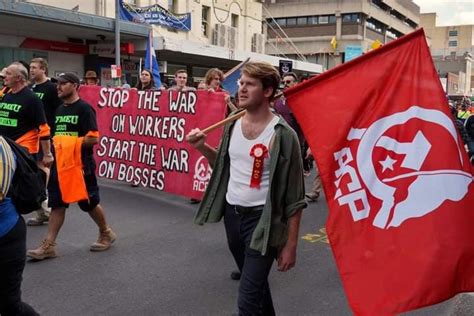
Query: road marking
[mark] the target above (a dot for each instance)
(321, 237)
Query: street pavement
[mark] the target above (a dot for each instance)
(163, 264)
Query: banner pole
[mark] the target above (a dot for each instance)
(117, 38)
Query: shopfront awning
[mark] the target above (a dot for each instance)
(215, 56)
(52, 23)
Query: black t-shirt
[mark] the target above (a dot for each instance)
(76, 119)
(20, 113)
(48, 94)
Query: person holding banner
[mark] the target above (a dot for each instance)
(146, 81)
(213, 80)
(90, 79)
(73, 177)
(181, 80)
(259, 154)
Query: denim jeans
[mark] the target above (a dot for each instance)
(254, 292)
(12, 263)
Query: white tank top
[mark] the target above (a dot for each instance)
(239, 191)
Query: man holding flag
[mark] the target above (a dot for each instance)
(259, 154)
(398, 183)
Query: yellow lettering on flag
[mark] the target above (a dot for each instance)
(333, 43)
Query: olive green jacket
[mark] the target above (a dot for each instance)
(286, 194)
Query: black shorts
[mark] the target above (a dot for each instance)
(54, 192)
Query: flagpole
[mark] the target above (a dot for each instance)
(117, 36)
(223, 122)
(140, 67)
(236, 67)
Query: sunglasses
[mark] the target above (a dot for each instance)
(287, 81)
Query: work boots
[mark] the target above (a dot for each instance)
(42, 215)
(44, 251)
(105, 240)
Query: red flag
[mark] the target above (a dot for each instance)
(396, 176)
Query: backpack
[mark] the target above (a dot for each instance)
(28, 187)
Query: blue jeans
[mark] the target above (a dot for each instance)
(254, 292)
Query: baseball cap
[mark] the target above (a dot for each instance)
(68, 77)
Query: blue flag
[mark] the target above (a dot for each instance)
(231, 81)
(150, 61)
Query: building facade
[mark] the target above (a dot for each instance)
(69, 39)
(325, 32)
(221, 34)
(452, 48)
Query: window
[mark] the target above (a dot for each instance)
(391, 34)
(351, 18)
(332, 19)
(313, 20)
(172, 6)
(205, 21)
(235, 20)
(281, 22)
(374, 25)
(453, 43)
(290, 21)
(302, 21)
(453, 33)
(323, 20)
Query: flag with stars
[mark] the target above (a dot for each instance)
(396, 176)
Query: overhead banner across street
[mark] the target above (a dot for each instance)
(142, 136)
(397, 178)
(155, 14)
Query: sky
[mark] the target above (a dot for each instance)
(450, 12)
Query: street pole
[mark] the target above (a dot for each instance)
(117, 38)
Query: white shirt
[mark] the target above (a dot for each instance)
(239, 191)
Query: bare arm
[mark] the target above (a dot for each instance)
(90, 141)
(47, 155)
(287, 257)
(197, 139)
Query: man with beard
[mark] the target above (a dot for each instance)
(76, 123)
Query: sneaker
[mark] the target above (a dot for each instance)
(104, 241)
(235, 275)
(45, 251)
(312, 197)
(40, 219)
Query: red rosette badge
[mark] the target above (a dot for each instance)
(259, 152)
